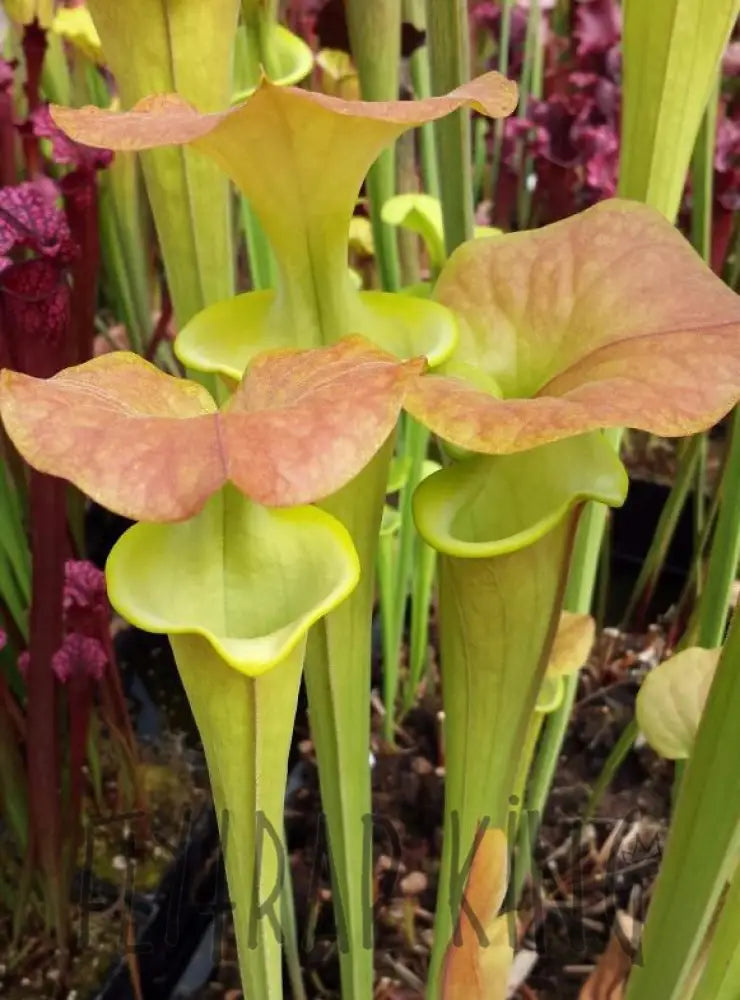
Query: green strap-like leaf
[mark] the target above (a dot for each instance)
(702, 849)
(670, 54)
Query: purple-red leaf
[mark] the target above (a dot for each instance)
(35, 315)
(79, 656)
(30, 217)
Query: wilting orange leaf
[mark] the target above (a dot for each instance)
(609, 978)
(299, 156)
(477, 967)
(153, 447)
(573, 641)
(605, 319)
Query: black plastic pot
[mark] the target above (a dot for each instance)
(175, 922)
(632, 530)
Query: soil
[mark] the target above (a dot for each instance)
(122, 861)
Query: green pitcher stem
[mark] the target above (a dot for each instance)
(534, 728)
(338, 684)
(498, 618)
(315, 299)
(246, 724)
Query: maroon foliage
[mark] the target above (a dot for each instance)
(34, 317)
(7, 125)
(30, 218)
(598, 26)
(85, 598)
(79, 656)
(727, 163)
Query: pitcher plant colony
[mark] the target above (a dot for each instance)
(258, 481)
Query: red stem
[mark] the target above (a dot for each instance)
(34, 50)
(47, 497)
(8, 170)
(161, 330)
(81, 206)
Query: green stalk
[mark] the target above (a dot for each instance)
(700, 492)
(12, 533)
(702, 177)
(55, 77)
(449, 57)
(387, 566)
(124, 237)
(702, 171)
(13, 779)
(375, 38)
(407, 176)
(291, 950)
(338, 683)
(415, 447)
(125, 231)
(480, 134)
(704, 838)
(254, 51)
(414, 12)
(525, 760)
(653, 562)
(421, 596)
(11, 598)
(694, 585)
(503, 68)
(720, 978)
(725, 551)
(612, 764)
(585, 562)
(531, 86)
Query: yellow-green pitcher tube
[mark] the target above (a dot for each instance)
(246, 725)
(504, 528)
(495, 638)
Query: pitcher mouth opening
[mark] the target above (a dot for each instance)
(249, 579)
(490, 505)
